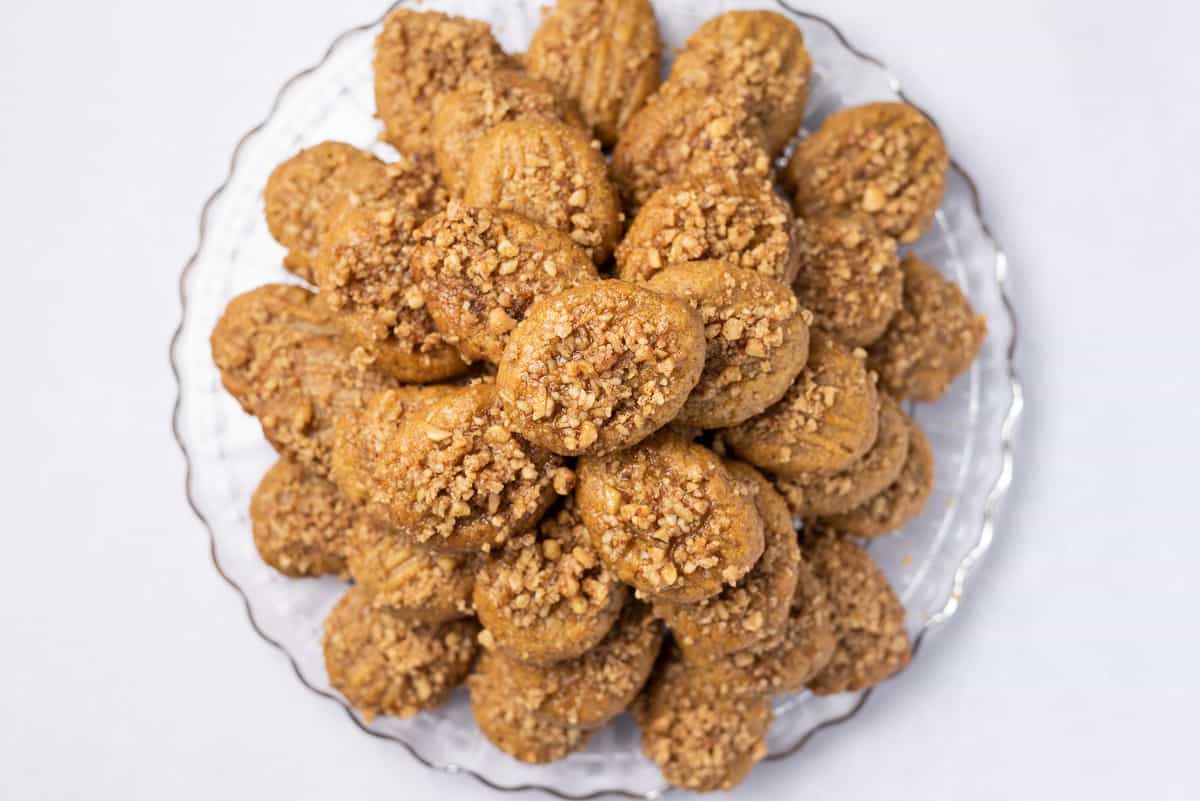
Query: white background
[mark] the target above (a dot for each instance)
(127, 668)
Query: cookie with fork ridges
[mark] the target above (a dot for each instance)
(301, 523)
(552, 173)
(480, 271)
(755, 57)
(743, 222)
(419, 56)
(827, 420)
(669, 519)
(605, 55)
(600, 367)
(756, 334)
(886, 160)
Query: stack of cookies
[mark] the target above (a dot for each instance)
(591, 416)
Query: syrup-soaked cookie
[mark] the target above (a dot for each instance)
(301, 523)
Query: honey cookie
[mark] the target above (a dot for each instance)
(480, 104)
(419, 56)
(686, 134)
(756, 335)
(414, 585)
(546, 596)
(755, 608)
(868, 618)
(386, 666)
(300, 521)
(551, 173)
(849, 276)
(668, 518)
(902, 501)
(603, 54)
(742, 222)
(885, 159)
(480, 270)
(516, 731)
(600, 367)
(588, 691)
(365, 273)
(758, 59)
(932, 339)
(828, 418)
(820, 494)
(455, 479)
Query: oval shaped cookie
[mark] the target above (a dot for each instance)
(301, 523)
(600, 367)
(756, 334)
(481, 270)
(667, 517)
(516, 731)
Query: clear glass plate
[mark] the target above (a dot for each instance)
(970, 429)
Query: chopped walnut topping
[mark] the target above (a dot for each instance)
(300, 521)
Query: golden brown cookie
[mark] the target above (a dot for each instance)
(480, 270)
(600, 367)
(873, 642)
(701, 741)
(483, 102)
(755, 57)
(742, 222)
(414, 585)
(455, 479)
(756, 334)
(902, 501)
(366, 278)
(932, 339)
(827, 420)
(754, 609)
(585, 692)
(885, 159)
(603, 54)
(386, 666)
(686, 134)
(419, 56)
(818, 494)
(546, 596)
(300, 521)
(516, 731)
(848, 277)
(552, 173)
(668, 518)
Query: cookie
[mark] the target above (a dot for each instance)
(412, 584)
(552, 173)
(605, 55)
(902, 501)
(848, 276)
(756, 335)
(419, 56)
(932, 339)
(669, 519)
(480, 270)
(754, 609)
(600, 367)
(455, 479)
(516, 731)
(480, 104)
(742, 222)
(366, 278)
(588, 691)
(886, 160)
(386, 666)
(300, 521)
(820, 494)
(686, 134)
(756, 58)
(546, 596)
(868, 618)
(827, 420)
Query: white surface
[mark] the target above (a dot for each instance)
(129, 670)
